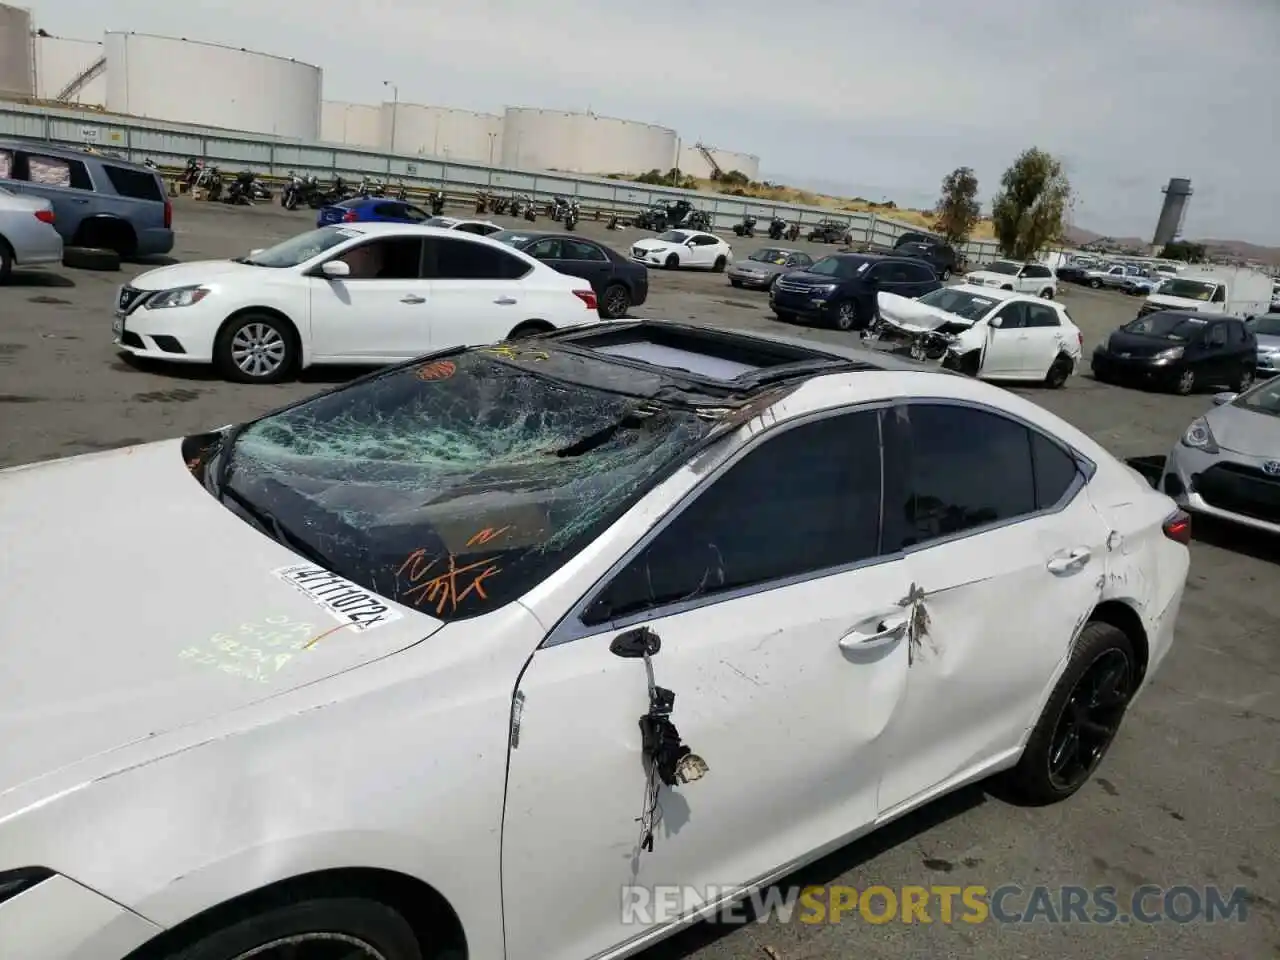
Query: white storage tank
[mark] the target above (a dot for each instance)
(584, 143)
(696, 164)
(353, 124)
(17, 61)
(414, 129)
(188, 81)
(73, 67)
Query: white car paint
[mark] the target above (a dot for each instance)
(480, 227)
(693, 249)
(1005, 352)
(157, 784)
(343, 320)
(1014, 276)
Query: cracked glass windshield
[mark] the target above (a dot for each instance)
(451, 486)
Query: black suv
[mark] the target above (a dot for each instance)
(940, 256)
(841, 290)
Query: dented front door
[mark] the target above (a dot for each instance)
(1000, 583)
(784, 694)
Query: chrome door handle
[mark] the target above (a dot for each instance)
(1071, 561)
(413, 299)
(504, 301)
(887, 631)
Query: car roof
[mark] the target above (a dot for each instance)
(80, 153)
(355, 203)
(375, 228)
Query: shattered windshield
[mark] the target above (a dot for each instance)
(455, 485)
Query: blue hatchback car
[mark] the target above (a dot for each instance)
(371, 210)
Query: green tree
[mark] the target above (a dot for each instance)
(1030, 211)
(1184, 251)
(958, 208)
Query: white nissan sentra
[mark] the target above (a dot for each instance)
(435, 663)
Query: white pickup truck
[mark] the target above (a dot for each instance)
(1229, 291)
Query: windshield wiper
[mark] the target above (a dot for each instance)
(271, 525)
(224, 461)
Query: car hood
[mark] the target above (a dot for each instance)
(1175, 303)
(1139, 344)
(1244, 431)
(906, 312)
(653, 243)
(196, 272)
(135, 604)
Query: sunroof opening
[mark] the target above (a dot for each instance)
(701, 351)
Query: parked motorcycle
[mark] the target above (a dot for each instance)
(571, 215)
(793, 232)
(530, 209)
(298, 190)
(210, 180)
(501, 204)
(259, 190)
(747, 228)
(337, 192)
(777, 227)
(240, 190)
(557, 208)
(437, 203)
(191, 173)
(482, 203)
(401, 192)
(615, 222)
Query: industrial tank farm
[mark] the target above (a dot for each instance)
(71, 70)
(584, 143)
(203, 83)
(355, 124)
(461, 135)
(695, 163)
(17, 69)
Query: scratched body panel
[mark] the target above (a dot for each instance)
(146, 639)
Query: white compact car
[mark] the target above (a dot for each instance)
(437, 663)
(362, 293)
(1033, 278)
(481, 228)
(678, 249)
(990, 334)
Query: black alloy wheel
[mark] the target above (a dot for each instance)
(1090, 719)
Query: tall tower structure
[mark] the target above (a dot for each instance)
(1173, 212)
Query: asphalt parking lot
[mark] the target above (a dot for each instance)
(1187, 796)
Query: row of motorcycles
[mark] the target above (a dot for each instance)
(560, 209)
(244, 189)
(307, 190)
(778, 228)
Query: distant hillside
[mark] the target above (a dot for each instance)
(1217, 249)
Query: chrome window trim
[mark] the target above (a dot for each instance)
(570, 627)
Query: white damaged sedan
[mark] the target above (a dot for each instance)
(989, 334)
(435, 664)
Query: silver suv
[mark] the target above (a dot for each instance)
(98, 200)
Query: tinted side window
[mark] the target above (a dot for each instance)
(415, 214)
(896, 273)
(1055, 470)
(1013, 316)
(460, 260)
(134, 183)
(965, 468)
(1039, 315)
(6, 165)
(1217, 335)
(1220, 295)
(1237, 335)
(392, 258)
(580, 250)
(393, 210)
(704, 241)
(919, 273)
(545, 249)
(51, 171)
(821, 510)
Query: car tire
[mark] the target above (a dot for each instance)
(616, 301)
(368, 928)
(6, 260)
(1046, 293)
(672, 262)
(945, 275)
(1095, 284)
(720, 264)
(846, 316)
(1185, 385)
(91, 258)
(735, 283)
(1243, 382)
(1059, 372)
(254, 336)
(1095, 689)
(530, 328)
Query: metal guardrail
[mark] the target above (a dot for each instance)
(170, 144)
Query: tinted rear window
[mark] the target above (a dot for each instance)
(134, 183)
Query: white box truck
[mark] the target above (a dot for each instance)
(1232, 291)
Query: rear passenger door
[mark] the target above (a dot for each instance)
(1007, 344)
(1043, 341)
(1004, 551)
(922, 279)
(475, 292)
(896, 277)
(63, 182)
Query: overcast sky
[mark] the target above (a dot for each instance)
(878, 99)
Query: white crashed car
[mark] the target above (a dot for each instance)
(989, 334)
(677, 249)
(391, 673)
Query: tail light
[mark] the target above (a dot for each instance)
(44, 216)
(168, 214)
(350, 216)
(1178, 527)
(1080, 338)
(588, 297)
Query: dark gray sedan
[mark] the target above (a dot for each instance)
(765, 265)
